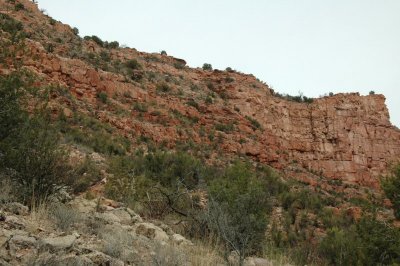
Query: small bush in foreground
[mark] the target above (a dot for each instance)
(64, 216)
(239, 203)
(29, 146)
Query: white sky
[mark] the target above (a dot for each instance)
(312, 46)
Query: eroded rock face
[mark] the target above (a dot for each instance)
(347, 136)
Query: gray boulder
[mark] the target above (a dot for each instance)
(58, 243)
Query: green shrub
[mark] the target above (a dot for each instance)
(368, 242)
(193, 103)
(105, 56)
(112, 45)
(140, 107)
(379, 242)
(19, 6)
(64, 216)
(163, 52)
(299, 98)
(229, 79)
(163, 87)
(340, 247)
(92, 133)
(95, 39)
(35, 161)
(75, 30)
(254, 123)
(102, 96)
(87, 174)
(11, 95)
(137, 75)
(160, 180)
(225, 127)
(133, 64)
(209, 99)
(237, 210)
(13, 27)
(303, 199)
(391, 186)
(207, 67)
(372, 93)
(49, 47)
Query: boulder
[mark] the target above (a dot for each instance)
(134, 216)
(17, 208)
(107, 217)
(251, 261)
(13, 222)
(178, 239)
(83, 205)
(5, 236)
(99, 258)
(22, 241)
(58, 243)
(123, 216)
(152, 232)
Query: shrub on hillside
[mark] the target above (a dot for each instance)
(133, 64)
(163, 87)
(75, 30)
(95, 39)
(254, 123)
(340, 247)
(31, 155)
(368, 242)
(35, 161)
(112, 45)
(11, 114)
(207, 67)
(102, 96)
(391, 187)
(238, 206)
(19, 6)
(12, 26)
(160, 180)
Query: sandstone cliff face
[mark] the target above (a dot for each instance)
(345, 137)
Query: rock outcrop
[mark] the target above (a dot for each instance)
(111, 237)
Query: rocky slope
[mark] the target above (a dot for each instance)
(153, 97)
(97, 232)
(87, 232)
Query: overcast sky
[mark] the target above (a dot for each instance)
(311, 46)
